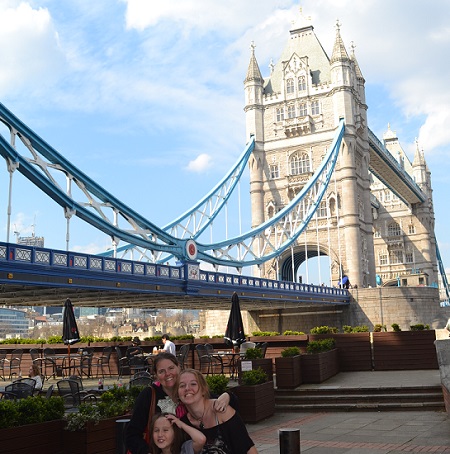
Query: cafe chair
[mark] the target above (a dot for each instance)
(70, 391)
(209, 363)
(140, 381)
(183, 354)
(3, 354)
(122, 362)
(15, 362)
(48, 363)
(244, 346)
(20, 389)
(101, 363)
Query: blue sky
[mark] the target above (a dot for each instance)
(146, 97)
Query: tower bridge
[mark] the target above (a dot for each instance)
(321, 185)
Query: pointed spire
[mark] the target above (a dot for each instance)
(353, 59)
(419, 158)
(339, 51)
(253, 72)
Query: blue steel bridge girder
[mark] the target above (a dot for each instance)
(109, 215)
(39, 276)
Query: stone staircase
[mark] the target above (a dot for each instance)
(426, 398)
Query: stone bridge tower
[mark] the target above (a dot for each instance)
(293, 115)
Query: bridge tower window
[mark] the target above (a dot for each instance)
(322, 210)
(301, 83)
(382, 258)
(300, 164)
(303, 110)
(290, 86)
(409, 257)
(394, 229)
(396, 256)
(411, 229)
(315, 108)
(274, 171)
(280, 114)
(291, 111)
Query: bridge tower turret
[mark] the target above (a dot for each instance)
(253, 85)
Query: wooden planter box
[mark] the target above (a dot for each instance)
(405, 350)
(288, 372)
(95, 439)
(355, 350)
(264, 363)
(256, 402)
(319, 367)
(42, 438)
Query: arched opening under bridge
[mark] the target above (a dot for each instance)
(311, 266)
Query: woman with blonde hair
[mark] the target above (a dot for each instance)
(35, 373)
(223, 427)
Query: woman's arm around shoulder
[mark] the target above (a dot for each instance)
(198, 439)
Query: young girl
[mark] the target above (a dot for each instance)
(167, 436)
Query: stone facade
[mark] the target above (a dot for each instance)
(293, 114)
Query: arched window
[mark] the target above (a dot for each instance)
(303, 110)
(299, 164)
(290, 86)
(301, 83)
(322, 210)
(394, 229)
(280, 114)
(315, 108)
(291, 111)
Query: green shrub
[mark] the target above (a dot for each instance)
(30, 411)
(253, 377)
(324, 330)
(378, 328)
(396, 327)
(419, 327)
(117, 401)
(320, 346)
(289, 352)
(347, 329)
(265, 333)
(217, 384)
(253, 353)
(293, 333)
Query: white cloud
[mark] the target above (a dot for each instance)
(30, 53)
(200, 163)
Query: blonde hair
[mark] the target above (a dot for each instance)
(203, 386)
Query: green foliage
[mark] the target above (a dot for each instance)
(347, 329)
(321, 345)
(253, 377)
(253, 353)
(378, 328)
(265, 333)
(396, 327)
(217, 384)
(293, 333)
(324, 330)
(419, 327)
(289, 352)
(117, 401)
(30, 411)
(55, 340)
(355, 329)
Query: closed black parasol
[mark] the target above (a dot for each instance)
(70, 329)
(234, 334)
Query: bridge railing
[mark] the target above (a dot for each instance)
(22, 254)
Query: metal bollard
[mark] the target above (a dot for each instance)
(289, 441)
(121, 425)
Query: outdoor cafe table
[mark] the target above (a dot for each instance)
(65, 362)
(231, 361)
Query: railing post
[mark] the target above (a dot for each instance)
(289, 440)
(121, 425)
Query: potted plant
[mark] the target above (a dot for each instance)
(320, 362)
(254, 359)
(31, 422)
(217, 384)
(94, 425)
(288, 368)
(256, 396)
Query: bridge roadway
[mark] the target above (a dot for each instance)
(31, 276)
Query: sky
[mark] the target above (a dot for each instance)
(146, 97)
